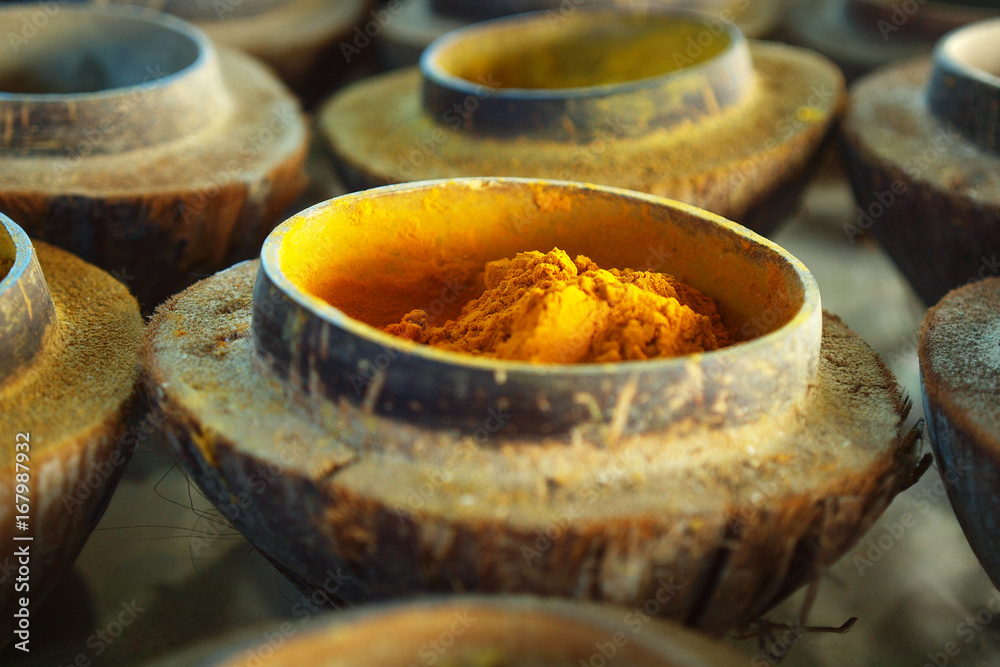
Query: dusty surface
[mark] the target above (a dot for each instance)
(262, 131)
(961, 362)
(71, 404)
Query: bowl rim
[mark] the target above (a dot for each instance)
(434, 72)
(671, 641)
(205, 49)
(945, 50)
(270, 264)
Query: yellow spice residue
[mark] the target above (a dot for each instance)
(548, 308)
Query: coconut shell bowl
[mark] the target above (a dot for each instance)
(131, 141)
(475, 630)
(660, 101)
(960, 373)
(299, 39)
(740, 473)
(415, 24)
(922, 144)
(863, 35)
(69, 348)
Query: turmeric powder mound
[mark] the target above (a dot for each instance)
(548, 308)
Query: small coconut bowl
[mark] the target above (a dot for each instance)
(740, 473)
(922, 145)
(660, 101)
(417, 23)
(473, 630)
(129, 140)
(69, 349)
(299, 39)
(960, 377)
(863, 35)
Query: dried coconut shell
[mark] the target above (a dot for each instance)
(74, 400)
(739, 517)
(748, 163)
(164, 215)
(960, 377)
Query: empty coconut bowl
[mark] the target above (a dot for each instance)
(476, 631)
(921, 144)
(299, 39)
(69, 350)
(674, 104)
(738, 474)
(128, 139)
(862, 35)
(960, 370)
(411, 25)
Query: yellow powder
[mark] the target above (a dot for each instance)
(548, 308)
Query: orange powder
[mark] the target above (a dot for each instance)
(547, 308)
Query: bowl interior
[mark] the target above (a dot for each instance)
(86, 51)
(975, 47)
(378, 255)
(580, 49)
